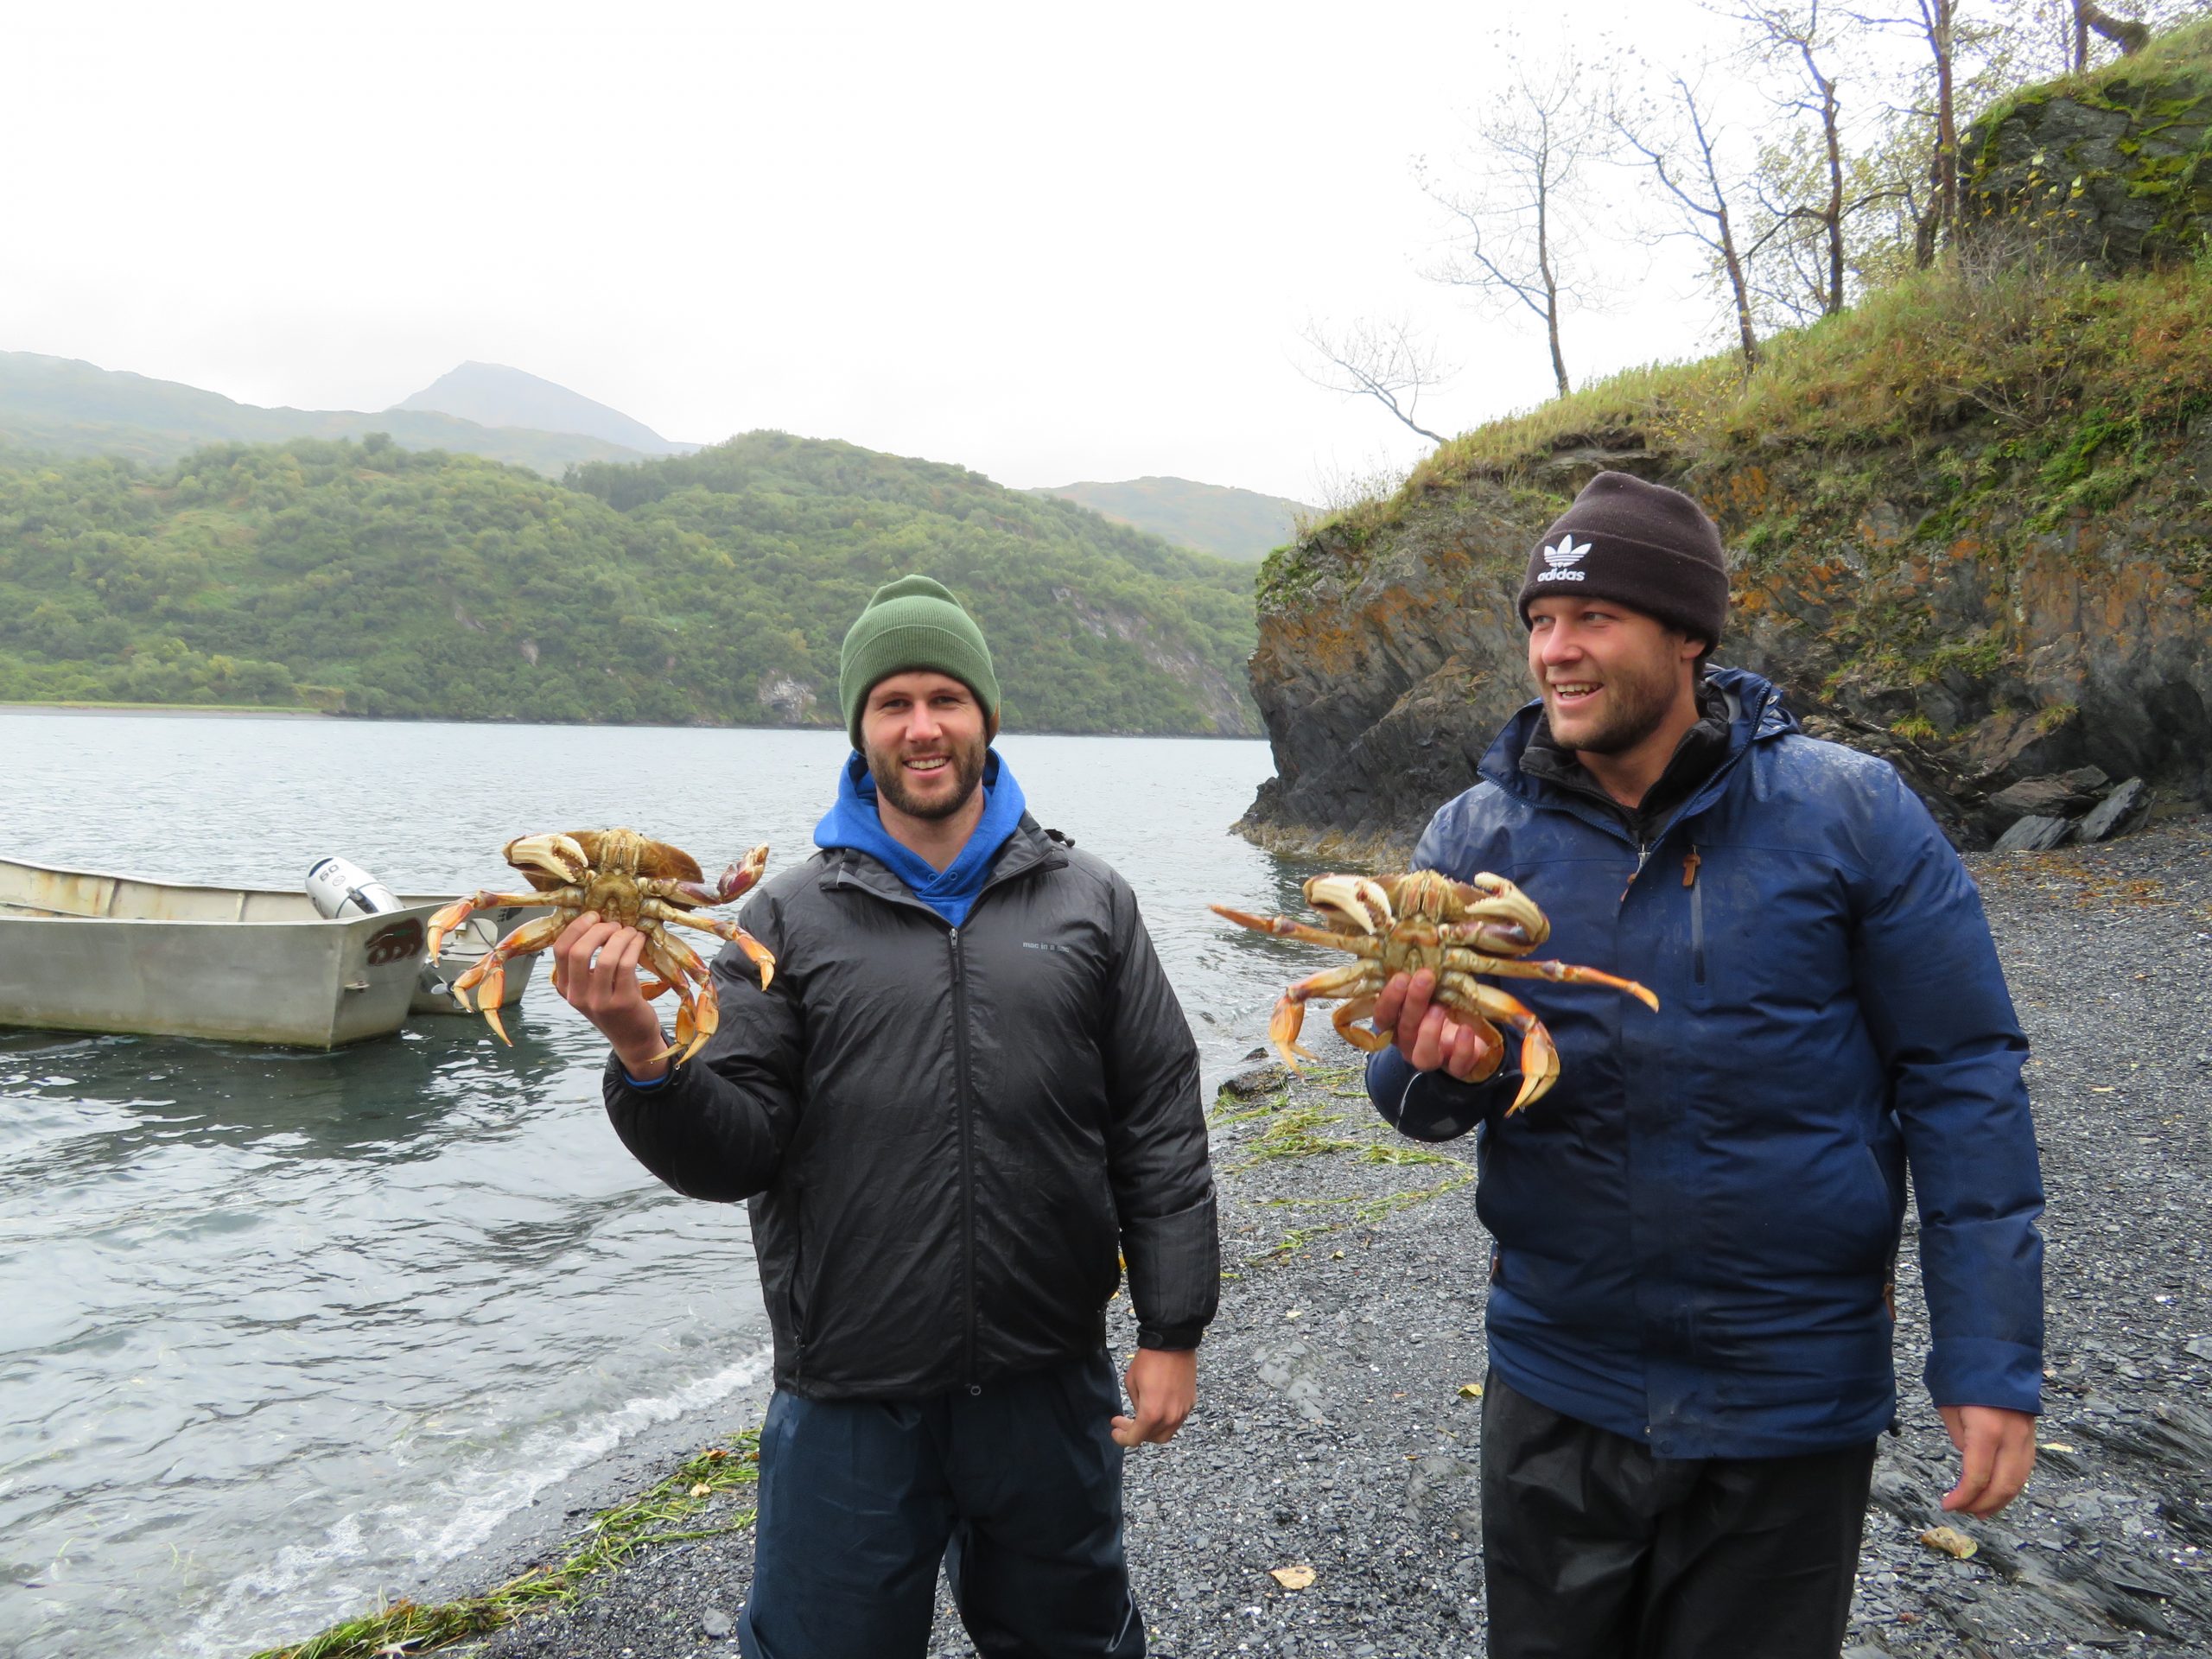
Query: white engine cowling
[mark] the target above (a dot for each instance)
(336, 889)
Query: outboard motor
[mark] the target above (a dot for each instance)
(337, 888)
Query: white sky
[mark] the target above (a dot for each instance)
(1048, 243)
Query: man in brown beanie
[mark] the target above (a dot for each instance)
(1694, 1232)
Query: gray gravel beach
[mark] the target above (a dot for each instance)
(1336, 1429)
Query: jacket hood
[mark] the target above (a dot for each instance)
(1756, 715)
(856, 822)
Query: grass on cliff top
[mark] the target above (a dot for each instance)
(2056, 363)
(2182, 50)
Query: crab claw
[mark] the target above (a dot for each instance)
(1283, 1029)
(557, 854)
(762, 958)
(444, 921)
(1539, 1066)
(1360, 899)
(741, 875)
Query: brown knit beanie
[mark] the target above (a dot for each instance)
(1644, 545)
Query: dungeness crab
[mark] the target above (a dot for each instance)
(624, 877)
(1401, 923)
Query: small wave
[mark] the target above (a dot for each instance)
(551, 1457)
(308, 1581)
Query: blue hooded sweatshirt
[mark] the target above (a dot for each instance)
(856, 822)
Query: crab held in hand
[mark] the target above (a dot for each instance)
(1455, 929)
(624, 877)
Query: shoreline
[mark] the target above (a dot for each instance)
(218, 710)
(1335, 1430)
(248, 711)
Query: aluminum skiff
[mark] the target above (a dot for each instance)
(89, 950)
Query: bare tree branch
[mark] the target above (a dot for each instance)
(1516, 238)
(1379, 358)
(2129, 35)
(1792, 29)
(1688, 171)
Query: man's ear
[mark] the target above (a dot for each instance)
(991, 726)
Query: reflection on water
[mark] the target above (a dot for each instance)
(287, 1331)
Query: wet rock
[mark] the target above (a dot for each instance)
(2033, 834)
(1260, 1080)
(2116, 812)
(2054, 794)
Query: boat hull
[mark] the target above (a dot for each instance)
(306, 984)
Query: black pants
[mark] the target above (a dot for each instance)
(1016, 1487)
(1592, 1548)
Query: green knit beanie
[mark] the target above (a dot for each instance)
(912, 623)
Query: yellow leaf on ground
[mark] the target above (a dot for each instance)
(1950, 1540)
(703, 1491)
(1470, 1390)
(1292, 1578)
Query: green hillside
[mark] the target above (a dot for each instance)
(713, 588)
(59, 406)
(1214, 518)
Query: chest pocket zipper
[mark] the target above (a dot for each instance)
(1690, 863)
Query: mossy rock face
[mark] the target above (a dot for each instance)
(2118, 173)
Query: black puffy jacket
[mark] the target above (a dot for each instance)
(947, 1134)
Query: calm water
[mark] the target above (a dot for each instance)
(283, 1331)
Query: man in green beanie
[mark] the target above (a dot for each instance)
(966, 1095)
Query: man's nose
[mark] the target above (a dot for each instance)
(1560, 646)
(921, 725)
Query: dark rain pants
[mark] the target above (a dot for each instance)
(1016, 1486)
(1595, 1549)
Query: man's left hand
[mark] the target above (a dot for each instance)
(1997, 1449)
(1163, 1387)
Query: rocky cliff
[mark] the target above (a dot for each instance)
(1968, 522)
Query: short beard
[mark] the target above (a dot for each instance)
(967, 770)
(1635, 717)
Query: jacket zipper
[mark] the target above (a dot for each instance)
(967, 1146)
(1690, 863)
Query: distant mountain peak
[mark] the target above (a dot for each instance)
(491, 394)
(1216, 519)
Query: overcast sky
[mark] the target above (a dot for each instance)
(1048, 243)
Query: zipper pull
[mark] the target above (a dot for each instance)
(1643, 855)
(1689, 868)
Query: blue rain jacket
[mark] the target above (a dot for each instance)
(1695, 1228)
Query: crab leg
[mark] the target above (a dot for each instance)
(1290, 1011)
(444, 921)
(698, 1013)
(490, 969)
(1465, 994)
(1564, 973)
(1345, 1019)
(1283, 927)
(762, 958)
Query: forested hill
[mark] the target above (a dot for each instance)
(711, 588)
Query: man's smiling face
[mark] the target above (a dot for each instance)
(1610, 676)
(924, 737)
